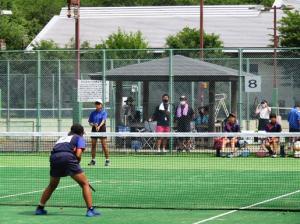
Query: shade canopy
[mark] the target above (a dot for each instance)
(184, 69)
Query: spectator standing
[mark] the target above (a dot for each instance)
(184, 114)
(162, 116)
(294, 118)
(264, 111)
(201, 121)
(128, 111)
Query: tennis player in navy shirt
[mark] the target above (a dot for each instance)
(64, 161)
(97, 120)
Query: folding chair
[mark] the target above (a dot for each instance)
(148, 142)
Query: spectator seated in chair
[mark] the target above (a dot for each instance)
(230, 126)
(272, 143)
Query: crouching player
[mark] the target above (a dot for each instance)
(272, 143)
(64, 161)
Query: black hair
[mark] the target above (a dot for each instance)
(273, 116)
(165, 95)
(76, 129)
(205, 108)
(297, 104)
(232, 115)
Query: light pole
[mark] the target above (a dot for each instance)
(75, 4)
(202, 84)
(201, 28)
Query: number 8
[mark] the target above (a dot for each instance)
(252, 83)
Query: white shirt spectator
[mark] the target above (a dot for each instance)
(264, 112)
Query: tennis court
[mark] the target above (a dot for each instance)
(156, 188)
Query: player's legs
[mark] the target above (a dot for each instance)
(93, 152)
(233, 144)
(158, 143)
(274, 145)
(105, 148)
(54, 181)
(268, 147)
(224, 143)
(94, 144)
(165, 142)
(81, 179)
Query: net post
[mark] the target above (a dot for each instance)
(8, 97)
(171, 93)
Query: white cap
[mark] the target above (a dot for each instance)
(98, 101)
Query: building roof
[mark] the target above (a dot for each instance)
(238, 26)
(184, 69)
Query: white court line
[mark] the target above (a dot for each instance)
(39, 191)
(246, 207)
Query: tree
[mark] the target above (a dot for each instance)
(122, 40)
(189, 38)
(290, 37)
(289, 29)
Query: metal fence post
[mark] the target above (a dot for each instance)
(104, 77)
(193, 95)
(171, 93)
(25, 94)
(0, 103)
(53, 95)
(8, 97)
(38, 93)
(59, 96)
(248, 96)
(112, 99)
(240, 116)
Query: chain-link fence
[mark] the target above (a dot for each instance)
(38, 88)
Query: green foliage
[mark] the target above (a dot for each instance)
(289, 29)
(189, 38)
(45, 45)
(30, 16)
(123, 40)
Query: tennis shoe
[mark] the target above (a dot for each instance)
(107, 163)
(92, 212)
(92, 163)
(40, 211)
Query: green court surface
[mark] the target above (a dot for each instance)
(170, 189)
(24, 215)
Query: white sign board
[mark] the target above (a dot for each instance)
(252, 84)
(91, 90)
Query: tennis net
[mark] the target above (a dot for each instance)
(196, 171)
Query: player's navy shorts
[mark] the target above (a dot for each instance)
(64, 164)
(102, 129)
